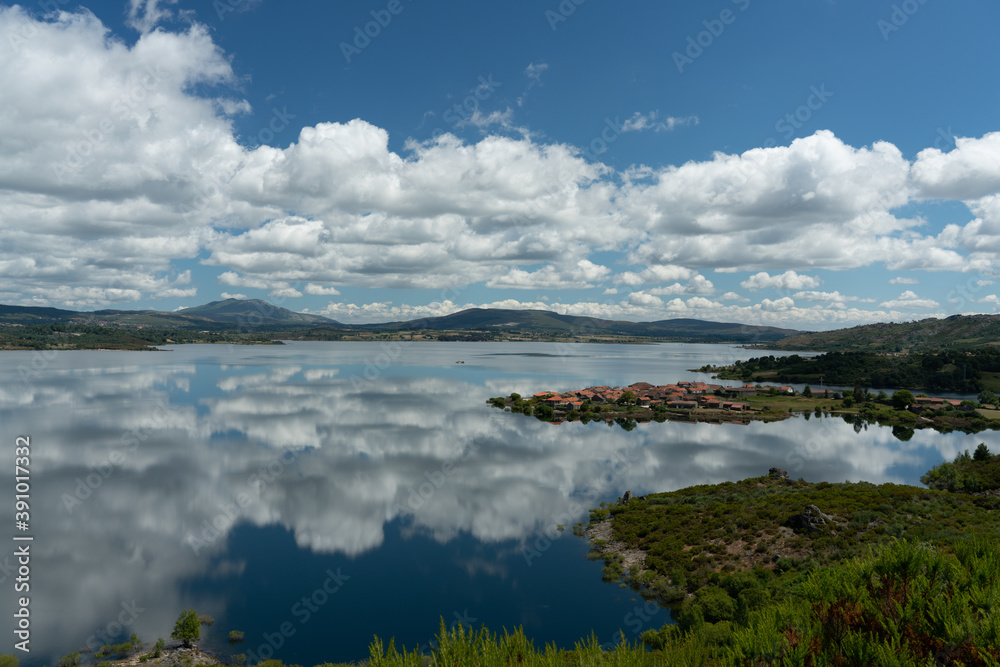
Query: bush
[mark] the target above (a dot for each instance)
(71, 660)
(711, 604)
(982, 453)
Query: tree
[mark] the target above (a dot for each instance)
(628, 398)
(902, 399)
(982, 453)
(187, 628)
(807, 392)
(987, 397)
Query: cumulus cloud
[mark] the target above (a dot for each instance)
(909, 299)
(899, 280)
(580, 275)
(970, 171)
(114, 168)
(320, 290)
(789, 280)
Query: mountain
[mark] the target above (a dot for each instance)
(218, 315)
(928, 334)
(550, 323)
(242, 311)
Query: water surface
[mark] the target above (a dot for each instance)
(341, 490)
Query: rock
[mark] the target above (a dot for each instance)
(811, 520)
(778, 472)
(627, 497)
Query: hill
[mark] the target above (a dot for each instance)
(928, 334)
(551, 323)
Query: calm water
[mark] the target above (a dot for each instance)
(316, 494)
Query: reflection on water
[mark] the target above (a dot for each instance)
(238, 481)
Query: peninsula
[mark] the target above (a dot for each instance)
(692, 401)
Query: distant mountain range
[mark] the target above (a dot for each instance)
(240, 313)
(263, 317)
(218, 315)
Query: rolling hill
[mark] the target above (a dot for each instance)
(548, 322)
(233, 314)
(928, 334)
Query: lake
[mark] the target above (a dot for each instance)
(313, 495)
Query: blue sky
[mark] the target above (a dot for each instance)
(811, 164)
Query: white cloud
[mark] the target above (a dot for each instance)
(909, 299)
(610, 290)
(733, 296)
(639, 122)
(789, 280)
(113, 168)
(970, 171)
(285, 293)
(830, 297)
(320, 290)
(644, 299)
(577, 276)
(654, 274)
(534, 73)
(899, 280)
(697, 285)
(143, 15)
(227, 295)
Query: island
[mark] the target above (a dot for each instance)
(699, 402)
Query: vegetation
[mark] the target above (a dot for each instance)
(123, 650)
(978, 473)
(187, 628)
(957, 331)
(691, 537)
(79, 337)
(958, 369)
(860, 408)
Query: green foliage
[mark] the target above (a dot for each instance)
(902, 399)
(966, 474)
(939, 370)
(187, 628)
(807, 392)
(70, 660)
(982, 453)
(8, 661)
(235, 637)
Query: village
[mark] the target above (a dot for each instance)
(641, 402)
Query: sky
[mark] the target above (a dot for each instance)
(811, 164)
